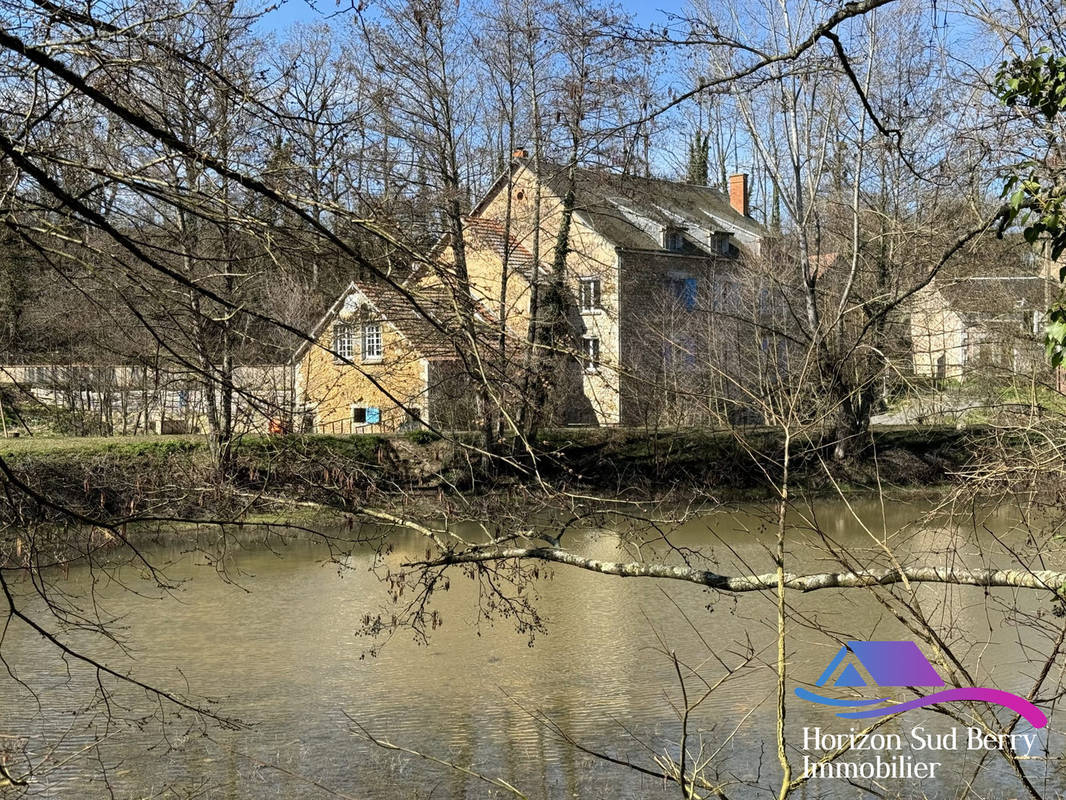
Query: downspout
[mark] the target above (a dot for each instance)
(620, 365)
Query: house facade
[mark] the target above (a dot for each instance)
(979, 323)
(379, 362)
(658, 274)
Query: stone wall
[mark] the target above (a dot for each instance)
(696, 339)
(938, 337)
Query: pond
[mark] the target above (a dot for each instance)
(276, 646)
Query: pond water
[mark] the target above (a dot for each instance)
(277, 648)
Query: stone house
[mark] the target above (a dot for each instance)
(658, 275)
(658, 280)
(381, 361)
(979, 324)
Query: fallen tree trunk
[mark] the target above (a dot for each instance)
(1049, 580)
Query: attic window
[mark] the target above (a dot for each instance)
(342, 341)
(373, 348)
(674, 241)
(520, 195)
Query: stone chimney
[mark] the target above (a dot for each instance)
(738, 192)
(520, 153)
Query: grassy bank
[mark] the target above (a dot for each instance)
(174, 476)
(750, 460)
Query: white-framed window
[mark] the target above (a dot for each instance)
(590, 351)
(342, 340)
(373, 348)
(589, 294)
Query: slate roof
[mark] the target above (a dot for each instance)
(629, 211)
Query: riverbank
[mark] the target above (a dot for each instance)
(173, 475)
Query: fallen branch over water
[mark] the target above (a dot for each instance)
(1049, 580)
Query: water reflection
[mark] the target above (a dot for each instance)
(280, 651)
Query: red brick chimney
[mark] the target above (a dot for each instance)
(520, 153)
(738, 192)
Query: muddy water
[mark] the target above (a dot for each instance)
(276, 647)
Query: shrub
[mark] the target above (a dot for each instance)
(421, 436)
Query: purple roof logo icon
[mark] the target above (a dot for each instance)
(898, 664)
(889, 664)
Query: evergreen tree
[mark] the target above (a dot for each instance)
(697, 158)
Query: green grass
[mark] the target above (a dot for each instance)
(118, 472)
(133, 445)
(361, 447)
(634, 441)
(357, 445)
(1044, 398)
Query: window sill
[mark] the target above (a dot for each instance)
(592, 370)
(377, 360)
(592, 311)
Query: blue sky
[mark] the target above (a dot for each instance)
(655, 11)
(291, 11)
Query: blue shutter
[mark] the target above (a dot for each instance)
(373, 415)
(688, 296)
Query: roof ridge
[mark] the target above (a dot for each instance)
(613, 173)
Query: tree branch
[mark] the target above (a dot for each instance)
(846, 12)
(1050, 580)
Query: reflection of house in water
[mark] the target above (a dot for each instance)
(982, 323)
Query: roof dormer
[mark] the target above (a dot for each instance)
(673, 240)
